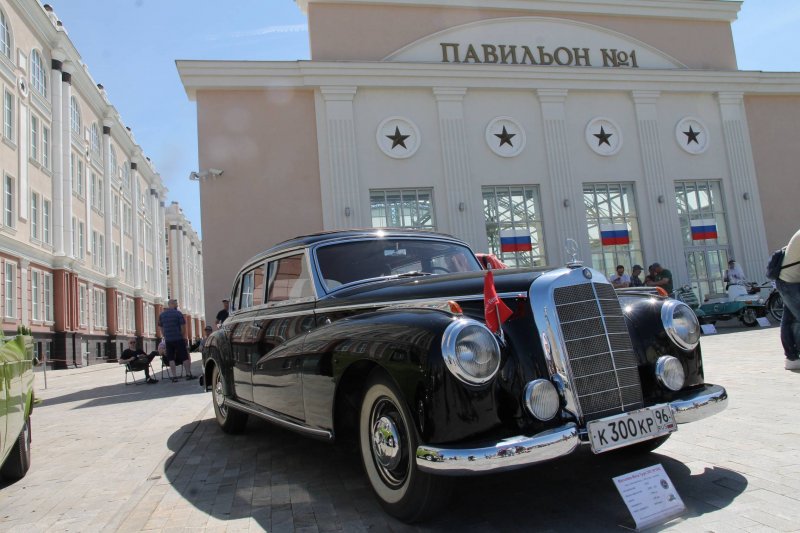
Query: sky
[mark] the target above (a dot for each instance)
(130, 46)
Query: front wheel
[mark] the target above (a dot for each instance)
(775, 307)
(388, 443)
(230, 420)
(748, 317)
(19, 460)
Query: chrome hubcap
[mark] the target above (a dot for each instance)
(386, 443)
(219, 396)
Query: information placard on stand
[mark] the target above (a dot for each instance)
(708, 329)
(650, 496)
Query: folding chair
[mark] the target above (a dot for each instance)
(132, 372)
(165, 368)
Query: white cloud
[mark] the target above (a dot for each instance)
(267, 30)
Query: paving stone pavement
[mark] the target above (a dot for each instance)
(110, 457)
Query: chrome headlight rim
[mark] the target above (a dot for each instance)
(668, 320)
(449, 340)
(528, 395)
(662, 369)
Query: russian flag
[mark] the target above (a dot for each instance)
(515, 240)
(705, 228)
(614, 234)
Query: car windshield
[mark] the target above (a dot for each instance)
(349, 262)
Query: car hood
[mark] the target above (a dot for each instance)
(441, 286)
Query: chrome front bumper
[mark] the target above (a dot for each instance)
(514, 452)
(523, 450)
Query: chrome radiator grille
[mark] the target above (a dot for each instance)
(599, 351)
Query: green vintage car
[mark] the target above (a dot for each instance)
(16, 402)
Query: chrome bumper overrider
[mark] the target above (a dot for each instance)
(514, 452)
(517, 452)
(699, 404)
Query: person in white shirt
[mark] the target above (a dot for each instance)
(620, 279)
(734, 274)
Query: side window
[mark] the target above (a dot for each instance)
(252, 288)
(290, 279)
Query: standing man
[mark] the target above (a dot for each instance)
(661, 278)
(223, 314)
(172, 328)
(620, 280)
(788, 284)
(636, 271)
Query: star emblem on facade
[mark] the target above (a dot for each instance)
(692, 136)
(398, 139)
(505, 137)
(603, 137)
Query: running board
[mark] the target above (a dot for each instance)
(275, 419)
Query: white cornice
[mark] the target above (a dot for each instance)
(719, 10)
(233, 75)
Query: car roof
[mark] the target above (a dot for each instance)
(337, 235)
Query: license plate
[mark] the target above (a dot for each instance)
(620, 430)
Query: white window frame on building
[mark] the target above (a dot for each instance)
(9, 201)
(5, 36)
(34, 155)
(706, 259)
(411, 208)
(75, 116)
(46, 211)
(35, 296)
(10, 288)
(45, 160)
(83, 304)
(47, 293)
(612, 204)
(9, 124)
(38, 73)
(34, 216)
(517, 207)
(99, 296)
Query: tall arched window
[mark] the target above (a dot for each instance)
(94, 139)
(38, 73)
(74, 116)
(126, 177)
(5, 35)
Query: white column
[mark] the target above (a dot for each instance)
(23, 145)
(662, 232)
(567, 193)
(746, 209)
(162, 246)
(66, 219)
(60, 146)
(340, 192)
(463, 223)
(137, 278)
(108, 175)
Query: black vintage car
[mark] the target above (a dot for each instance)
(380, 336)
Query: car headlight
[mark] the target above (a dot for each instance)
(669, 372)
(681, 324)
(471, 351)
(542, 400)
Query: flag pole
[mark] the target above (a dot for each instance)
(499, 324)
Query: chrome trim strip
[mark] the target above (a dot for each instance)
(508, 454)
(319, 433)
(421, 302)
(700, 404)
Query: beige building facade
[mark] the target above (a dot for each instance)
(624, 125)
(83, 259)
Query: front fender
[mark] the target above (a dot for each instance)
(404, 343)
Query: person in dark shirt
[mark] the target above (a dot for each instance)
(636, 271)
(173, 330)
(136, 359)
(223, 314)
(662, 278)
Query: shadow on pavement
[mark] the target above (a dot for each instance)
(122, 393)
(284, 481)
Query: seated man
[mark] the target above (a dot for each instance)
(136, 359)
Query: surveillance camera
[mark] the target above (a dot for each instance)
(215, 172)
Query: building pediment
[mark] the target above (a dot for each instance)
(535, 41)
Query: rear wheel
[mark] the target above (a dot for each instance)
(19, 461)
(749, 317)
(229, 419)
(388, 443)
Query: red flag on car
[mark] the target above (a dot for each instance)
(494, 310)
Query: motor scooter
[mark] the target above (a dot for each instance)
(741, 300)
